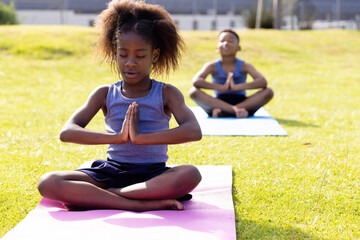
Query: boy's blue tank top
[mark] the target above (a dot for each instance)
(151, 118)
(220, 77)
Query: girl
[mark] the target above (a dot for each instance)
(229, 82)
(136, 38)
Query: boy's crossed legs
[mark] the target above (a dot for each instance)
(219, 108)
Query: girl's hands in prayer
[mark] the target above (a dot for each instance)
(134, 122)
(124, 133)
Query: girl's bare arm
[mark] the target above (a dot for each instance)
(259, 79)
(74, 129)
(188, 128)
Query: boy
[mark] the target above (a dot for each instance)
(229, 82)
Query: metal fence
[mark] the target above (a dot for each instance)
(320, 14)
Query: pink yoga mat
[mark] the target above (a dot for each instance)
(209, 215)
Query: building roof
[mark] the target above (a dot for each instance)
(349, 8)
(173, 6)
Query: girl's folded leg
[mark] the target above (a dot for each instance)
(172, 184)
(77, 190)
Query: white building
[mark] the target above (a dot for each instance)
(188, 14)
(184, 21)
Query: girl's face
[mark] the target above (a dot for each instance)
(227, 44)
(135, 57)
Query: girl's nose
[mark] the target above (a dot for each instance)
(130, 62)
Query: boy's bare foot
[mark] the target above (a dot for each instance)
(216, 112)
(241, 113)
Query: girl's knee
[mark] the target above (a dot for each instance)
(48, 183)
(191, 175)
(196, 174)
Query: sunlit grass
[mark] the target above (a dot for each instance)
(301, 186)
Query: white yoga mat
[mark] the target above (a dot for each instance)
(209, 215)
(261, 124)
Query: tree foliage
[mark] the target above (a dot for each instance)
(7, 14)
(266, 19)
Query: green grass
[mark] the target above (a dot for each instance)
(303, 186)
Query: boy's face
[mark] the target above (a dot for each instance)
(227, 44)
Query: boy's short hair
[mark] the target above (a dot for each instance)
(231, 31)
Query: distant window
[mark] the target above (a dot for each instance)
(195, 25)
(92, 23)
(213, 25)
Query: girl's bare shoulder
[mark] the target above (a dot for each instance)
(100, 91)
(98, 95)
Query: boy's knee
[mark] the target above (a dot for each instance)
(269, 93)
(193, 92)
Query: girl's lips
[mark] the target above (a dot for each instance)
(130, 74)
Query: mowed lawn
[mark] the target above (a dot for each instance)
(302, 186)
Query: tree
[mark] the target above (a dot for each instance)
(7, 14)
(266, 19)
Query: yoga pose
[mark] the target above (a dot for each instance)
(229, 82)
(136, 39)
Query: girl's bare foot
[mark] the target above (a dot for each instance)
(216, 112)
(175, 205)
(164, 204)
(75, 208)
(241, 113)
(139, 206)
(151, 205)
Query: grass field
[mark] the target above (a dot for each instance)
(303, 186)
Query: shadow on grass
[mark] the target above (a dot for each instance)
(295, 123)
(248, 229)
(265, 228)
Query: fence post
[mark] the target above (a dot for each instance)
(277, 14)
(258, 14)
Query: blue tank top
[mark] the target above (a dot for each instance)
(220, 77)
(151, 118)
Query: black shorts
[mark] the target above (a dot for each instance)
(119, 175)
(232, 99)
